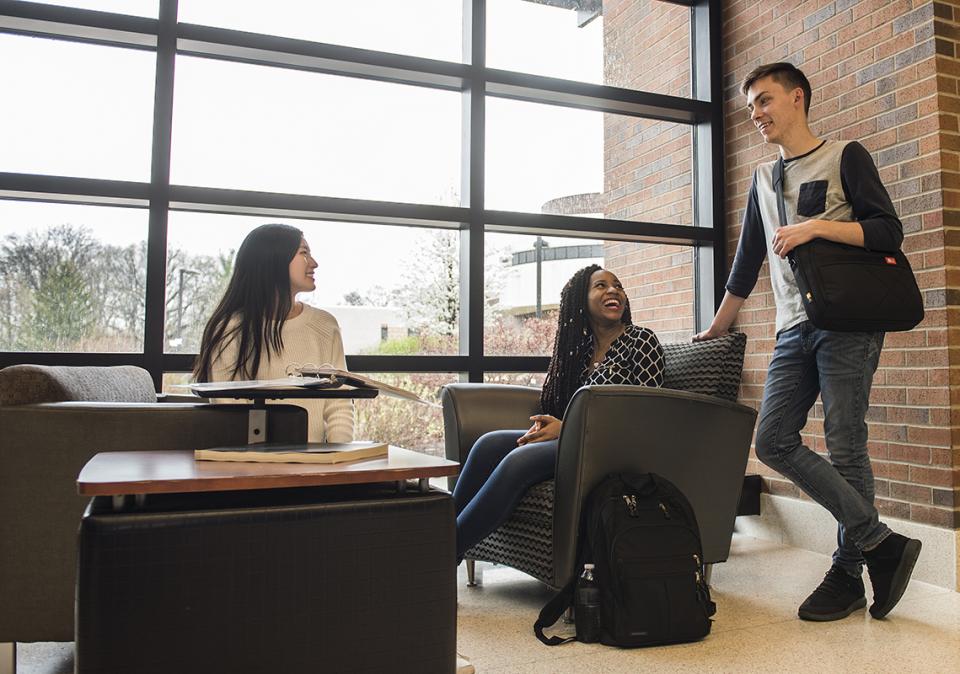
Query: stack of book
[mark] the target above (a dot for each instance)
(303, 452)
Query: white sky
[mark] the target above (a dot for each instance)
(89, 113)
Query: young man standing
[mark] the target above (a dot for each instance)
(831, 190)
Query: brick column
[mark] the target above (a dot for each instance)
(880, 76)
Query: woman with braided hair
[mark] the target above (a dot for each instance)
(596, 343)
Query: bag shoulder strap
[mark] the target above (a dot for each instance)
(778, 188)
(555, 608)
(781, 207)
(551, 613)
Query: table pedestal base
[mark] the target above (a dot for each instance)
(292, 580)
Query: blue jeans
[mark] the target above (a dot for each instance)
(839, 366)
(494, 478)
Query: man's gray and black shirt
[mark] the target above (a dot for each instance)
(834, 181)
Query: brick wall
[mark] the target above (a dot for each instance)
(884, 73)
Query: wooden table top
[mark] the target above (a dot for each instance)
(163, 472)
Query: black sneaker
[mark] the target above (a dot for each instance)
(890, 565)
(839, 595)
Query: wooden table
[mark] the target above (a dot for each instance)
(119, 474)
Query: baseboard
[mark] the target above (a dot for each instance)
(805, 525)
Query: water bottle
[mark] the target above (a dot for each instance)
(586, 607)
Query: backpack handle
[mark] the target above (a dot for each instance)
(644, 484)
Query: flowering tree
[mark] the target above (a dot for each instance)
(420, 427)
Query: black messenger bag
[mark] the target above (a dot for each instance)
(852, 289)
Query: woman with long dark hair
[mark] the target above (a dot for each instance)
(596, 343)
(259, 329)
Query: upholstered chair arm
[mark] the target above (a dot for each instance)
(698, 442)
(42, 449)
(470, 410)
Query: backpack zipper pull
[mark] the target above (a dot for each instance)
(702, 591)
(631, 502)
(663, 509)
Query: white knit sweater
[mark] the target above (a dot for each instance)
(312, 337)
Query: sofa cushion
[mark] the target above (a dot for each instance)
(712, 367)
(28, 384)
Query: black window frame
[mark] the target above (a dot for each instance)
(164, 35)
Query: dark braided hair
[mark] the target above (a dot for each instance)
(573, 343)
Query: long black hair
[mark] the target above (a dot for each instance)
(255, 304)
(573, 343)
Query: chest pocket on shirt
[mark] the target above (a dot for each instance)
(813, 198)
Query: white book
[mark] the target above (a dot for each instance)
(300, 452)
(326, 373)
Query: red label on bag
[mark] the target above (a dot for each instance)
(890, 260)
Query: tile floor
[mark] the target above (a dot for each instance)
(755, 630)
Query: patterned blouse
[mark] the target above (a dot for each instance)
(634, 358)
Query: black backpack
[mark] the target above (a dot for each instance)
(641, 534)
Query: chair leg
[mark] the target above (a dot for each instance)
(707, 573)
(471, 572)
(8, 658)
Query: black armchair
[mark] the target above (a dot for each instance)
(691, 431)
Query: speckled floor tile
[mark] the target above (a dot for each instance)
(756, 628)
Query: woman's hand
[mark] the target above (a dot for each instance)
(545, 427)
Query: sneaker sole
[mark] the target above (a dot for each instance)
(839, 615)
(901, 577)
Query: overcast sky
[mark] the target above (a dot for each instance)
(88, 113)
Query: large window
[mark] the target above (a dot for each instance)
(523, 290)
(567, 161)
(394, 290)
(450, 162)
(72, 278)
(642, 44)
(269, 129)
(429, 28)
(75, 109)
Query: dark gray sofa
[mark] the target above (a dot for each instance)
(52, 421)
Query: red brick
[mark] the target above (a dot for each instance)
(888, 508)
(936, 437)
(908, 452)
(911, 492)
(893, 471)
(934, 477)
(939, 517)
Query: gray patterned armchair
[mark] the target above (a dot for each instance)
(692, 431)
